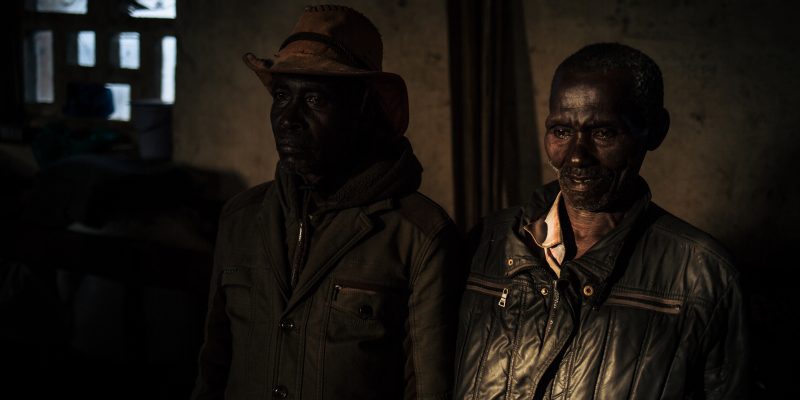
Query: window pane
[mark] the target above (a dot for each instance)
(152, 9)
(39, 67)
(121, 93)
(86, 48)
(169, 48)
(128, 43)
(62, 6)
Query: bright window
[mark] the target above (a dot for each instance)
(121, 93)
(152, 9)
(63, 6)
(169, 50)
(127, 44)
(39, 68)
(86, 48)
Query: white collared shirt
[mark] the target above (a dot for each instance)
(546, 233)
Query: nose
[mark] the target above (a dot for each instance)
(581, 151)
(291, 119)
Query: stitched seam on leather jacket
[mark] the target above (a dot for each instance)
(412, 315)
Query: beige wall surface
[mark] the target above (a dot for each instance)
(221, 108)
(729, 87)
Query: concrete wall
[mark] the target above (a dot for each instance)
(730, 89)
(221, 108)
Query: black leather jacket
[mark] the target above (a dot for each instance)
(654, 310)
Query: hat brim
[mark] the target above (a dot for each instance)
(390, 87)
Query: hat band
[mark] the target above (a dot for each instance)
(340, 49)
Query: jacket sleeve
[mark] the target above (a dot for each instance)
(215, 354)
(435, 289)
(726, 372)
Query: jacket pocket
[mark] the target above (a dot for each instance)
(624, 298)
(237, 283)
(488, 288)
(484, 310)
(363, 349)
(358, 303)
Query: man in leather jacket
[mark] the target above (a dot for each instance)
(336, 280)
(591, 290)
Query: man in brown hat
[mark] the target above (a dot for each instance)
(337, 279)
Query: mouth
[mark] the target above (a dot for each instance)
(583, 183)
(582, 179)
(291, 146)
(292, 149)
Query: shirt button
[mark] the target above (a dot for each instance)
(365, 311)
(588, 290)
(544, 291)
(287, 324)
(280, 392)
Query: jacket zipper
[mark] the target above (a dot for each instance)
(345, 289)
(298, 253)
(502, 302)
(556, 299)
(300, 250)
(488, 288)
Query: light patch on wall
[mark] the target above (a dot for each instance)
(39, 67)
(81, 49)
(121, 93)
(86, 48)
(125, 51)
(153, 9)
(169, 49)
(63, 6)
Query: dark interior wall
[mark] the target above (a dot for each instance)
(221, 108)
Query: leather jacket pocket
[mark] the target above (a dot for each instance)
(237, 283)
(484, 308)
(489, 288)
(643, 301)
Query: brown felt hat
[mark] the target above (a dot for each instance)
(334, 40)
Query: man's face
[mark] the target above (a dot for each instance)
(591, 140)
(314, 122)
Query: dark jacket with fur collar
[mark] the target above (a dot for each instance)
(372, 311)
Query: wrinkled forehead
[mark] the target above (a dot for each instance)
(611, 91)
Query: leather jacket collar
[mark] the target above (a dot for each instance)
(598, 267)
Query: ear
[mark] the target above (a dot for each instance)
(658, 130)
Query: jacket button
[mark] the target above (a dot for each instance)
(365, 311)
(287, 324)
(280, 392)
(588, 290)
(544, 291)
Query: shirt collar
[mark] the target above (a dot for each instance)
(546, 231)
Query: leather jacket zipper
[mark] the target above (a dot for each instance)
(503, 297)
(490, 288)
(556, 299)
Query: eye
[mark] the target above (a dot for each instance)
(561, 132)
(280, 96)
(316, 100)
(603, 133)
